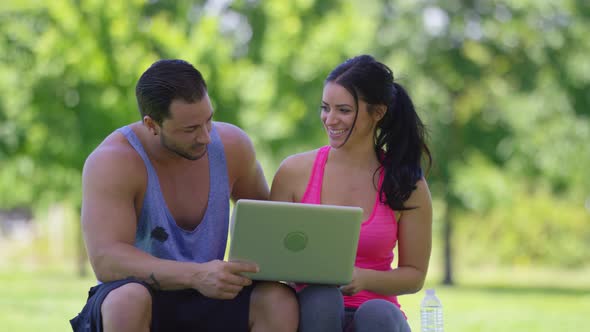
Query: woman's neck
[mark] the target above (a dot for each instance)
(355, 156)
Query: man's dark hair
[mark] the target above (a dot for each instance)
(165, 81)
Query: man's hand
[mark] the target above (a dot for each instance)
(223, 280)
(356, 285)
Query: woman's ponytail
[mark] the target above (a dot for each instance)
(400, 143)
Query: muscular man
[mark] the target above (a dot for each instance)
(155, 216)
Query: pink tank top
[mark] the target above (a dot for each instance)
(378, 235)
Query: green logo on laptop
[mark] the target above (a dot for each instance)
(295, 241)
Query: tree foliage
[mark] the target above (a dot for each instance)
(502, 86)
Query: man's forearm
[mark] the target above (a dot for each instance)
(123, 260)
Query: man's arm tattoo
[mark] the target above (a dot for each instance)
(154, 282)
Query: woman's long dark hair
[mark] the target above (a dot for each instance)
(400, 142)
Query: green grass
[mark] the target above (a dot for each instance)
(44, 299)
(504, 308)
(40, 299)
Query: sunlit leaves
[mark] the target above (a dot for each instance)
(502, 87)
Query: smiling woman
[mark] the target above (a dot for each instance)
(340, 116)
(373, 160)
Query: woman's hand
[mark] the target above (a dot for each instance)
(357, 283)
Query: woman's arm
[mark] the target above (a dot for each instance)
(415, 243)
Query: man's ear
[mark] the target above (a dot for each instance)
(151, 125)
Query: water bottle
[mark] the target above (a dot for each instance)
(431, 317)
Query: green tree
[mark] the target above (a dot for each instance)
(501, 85)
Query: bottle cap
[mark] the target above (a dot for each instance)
(430, 291)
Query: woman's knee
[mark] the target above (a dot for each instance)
(379, 314)
(320, 296)
(127, 306)
(321, 309)
(379, 307)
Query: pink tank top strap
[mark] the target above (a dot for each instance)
(314, 186)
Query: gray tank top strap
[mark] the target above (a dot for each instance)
(157, 231)
(136, 144)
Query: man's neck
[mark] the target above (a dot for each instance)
(152, 145)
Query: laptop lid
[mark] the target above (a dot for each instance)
(296, 242)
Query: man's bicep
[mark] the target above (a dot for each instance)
(245, 174)
(251, 184)
(108, 213)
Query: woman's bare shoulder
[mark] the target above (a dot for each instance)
(299, 163)
(291, 178)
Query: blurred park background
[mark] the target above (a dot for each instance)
(503, 87)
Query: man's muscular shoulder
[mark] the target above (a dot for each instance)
(114, 161)
(237, 145)
(233, 137)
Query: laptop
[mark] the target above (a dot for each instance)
(296, 242)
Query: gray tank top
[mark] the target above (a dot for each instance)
(157, 231)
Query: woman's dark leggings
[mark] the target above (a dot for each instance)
(322, 310)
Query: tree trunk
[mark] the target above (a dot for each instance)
(453, 153)
(447, 240)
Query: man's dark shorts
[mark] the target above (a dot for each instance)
(182, 310)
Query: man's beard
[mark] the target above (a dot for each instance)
(173, 148)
